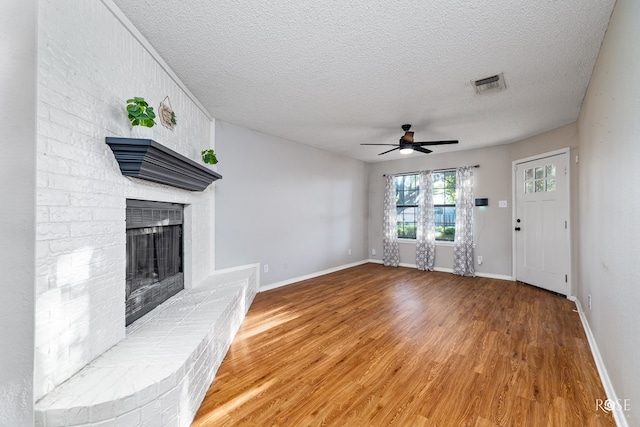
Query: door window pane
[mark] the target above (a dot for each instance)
(528, 187)
(550, 171)
(528, 174)
(551, 184)
(540, 179)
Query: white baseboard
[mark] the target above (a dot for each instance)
(310, 276)
(407, 265)
(618, 413)
(496, 276)
(450, 270)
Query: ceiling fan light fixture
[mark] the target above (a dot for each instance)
(406, 144)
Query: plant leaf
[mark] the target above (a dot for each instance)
(209, 157)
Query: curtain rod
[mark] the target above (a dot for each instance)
(433, 170)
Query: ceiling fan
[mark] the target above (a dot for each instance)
(407, 146)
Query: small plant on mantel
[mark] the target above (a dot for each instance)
(209, 157)
(140, 114)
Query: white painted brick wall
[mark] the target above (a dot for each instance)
(88, 65)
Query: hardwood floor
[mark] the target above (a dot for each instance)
(377, 346)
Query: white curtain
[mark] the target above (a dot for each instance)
(463, 245)
(426, 226)
(390, 248)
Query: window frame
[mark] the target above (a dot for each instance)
(439, 241)
(407, 205)
(444, 206)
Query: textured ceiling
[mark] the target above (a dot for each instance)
(336, 73)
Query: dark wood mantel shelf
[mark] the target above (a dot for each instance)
(150, 160)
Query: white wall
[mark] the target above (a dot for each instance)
(493, 180)
(89, 63)
(17, 222)
(609, 132)
(293, 207)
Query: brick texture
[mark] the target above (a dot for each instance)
(158, 375)
(88, 66)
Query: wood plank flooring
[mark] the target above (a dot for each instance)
(377, 346)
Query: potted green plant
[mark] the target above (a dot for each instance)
(209, 158)
(141, 116)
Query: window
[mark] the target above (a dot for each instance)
(407, 205)
(444, 204)
(444, 201)
(540, 179)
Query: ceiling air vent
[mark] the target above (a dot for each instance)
(489, 84)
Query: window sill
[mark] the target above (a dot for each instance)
(407, 241)
(413, 242)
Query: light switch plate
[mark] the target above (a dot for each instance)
(502, 203)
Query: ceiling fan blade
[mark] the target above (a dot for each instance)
(393, 149)
(422, 150)
(454, 141)
(392, 145)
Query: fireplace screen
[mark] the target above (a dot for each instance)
(154, 256)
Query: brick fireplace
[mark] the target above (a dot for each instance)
(90, 368)
(82, 194)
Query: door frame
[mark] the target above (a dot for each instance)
(514, 254)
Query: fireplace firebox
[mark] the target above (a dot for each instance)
(154, 271)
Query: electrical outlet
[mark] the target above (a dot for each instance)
(349, 251)
(373, 251)
(265, 268)
(480, 259)
(589, 300)
(502, 203)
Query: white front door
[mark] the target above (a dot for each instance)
(541, 223)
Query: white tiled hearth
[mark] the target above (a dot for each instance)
(159, 374)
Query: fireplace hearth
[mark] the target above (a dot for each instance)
(154, 271)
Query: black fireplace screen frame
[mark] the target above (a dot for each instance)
(154, 255)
